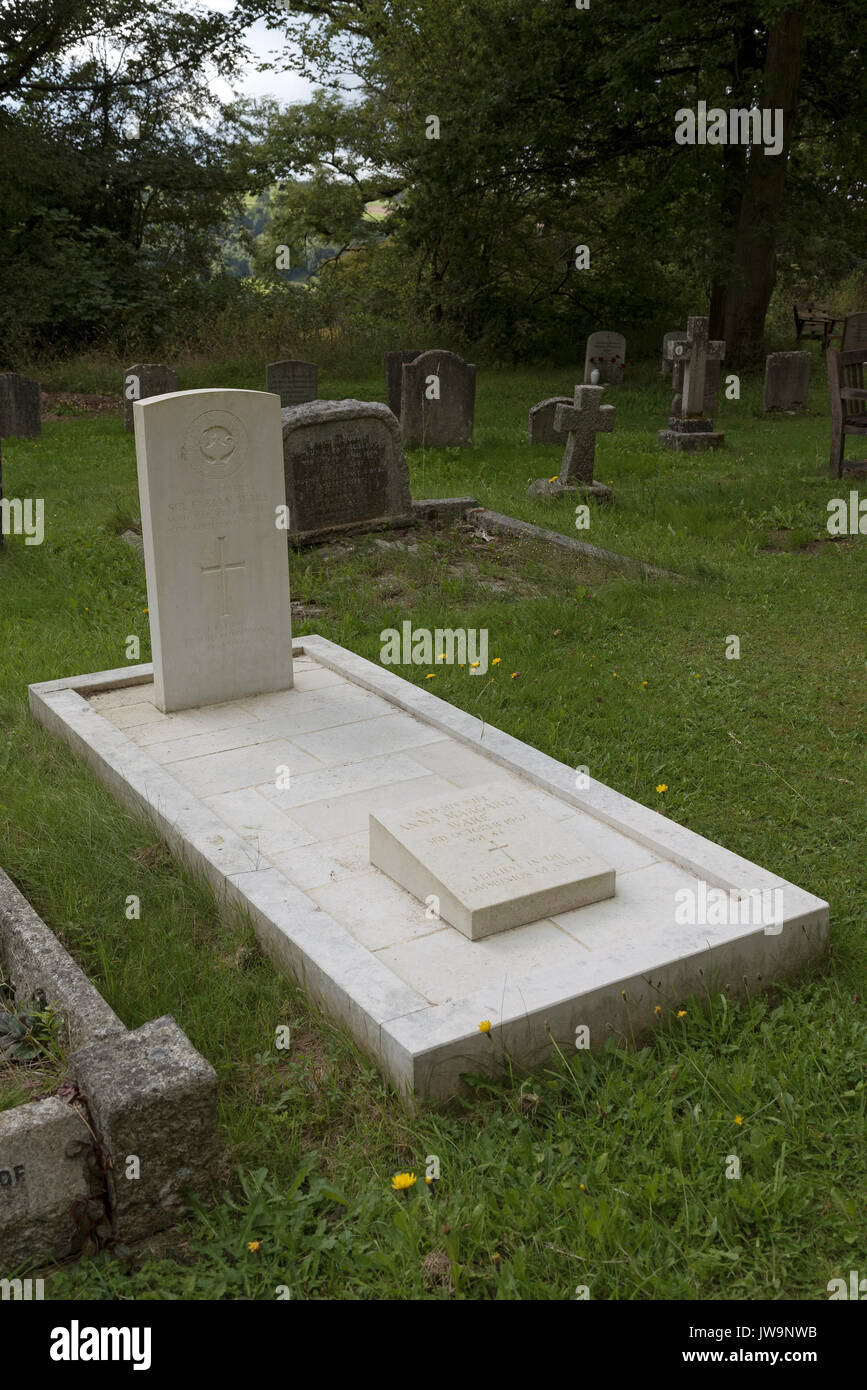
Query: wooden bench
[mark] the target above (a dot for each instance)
(813, 321)
(848, 406)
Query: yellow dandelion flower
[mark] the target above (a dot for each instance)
(662, 787)
(657, 1009)
(253, 1246)
(681, 1013)
(644, 682)
(485, 1026)
(430, 675)
(583, 1188)
(401, 1182)
(739, 1119)
(496, 661)
(554, 479)
(429, 1181)
(475, 663)
(515, 675)
(623, 994)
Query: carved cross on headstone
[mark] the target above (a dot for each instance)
(694, 350)
(222, 568)
(583, 421)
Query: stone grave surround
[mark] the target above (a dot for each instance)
(690, 429)
(606, 353)
(344, 468)
(787, 380)
(143, 380)
(540, 425)
(418, 871)
(394, 362)
(580, 423)
(210, 479)
(294, 382)
(438, 398)
(20, 407)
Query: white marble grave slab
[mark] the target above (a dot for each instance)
(412, 990)
(490, 861)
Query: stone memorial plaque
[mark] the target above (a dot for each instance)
(294, 382)
(394, 362)
(142, 381)
(787, 380)
(438, 401)
(492, 861)
(20, 407)
(211, 480)
(344, 465)
(607, 353)
(540, 425)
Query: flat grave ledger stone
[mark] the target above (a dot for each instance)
(540, 425)
(606, 352)
(394, 362)
(787, 380)
(344, 465)
(294, 382)
(489, 860)
(142, 381)
(20, 407)
(210, 471)
(438, 401)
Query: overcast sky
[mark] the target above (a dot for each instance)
(285, 86)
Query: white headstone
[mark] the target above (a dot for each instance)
(491, 861)
(606, 354)
(210, 471)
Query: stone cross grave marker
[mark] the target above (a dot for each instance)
(438, 399)
(344, 466)
(711, 386)
(787, 380)
(210, 471)
(607, 353)
(20, 407)
(394, 362)
(142, 381)
(540, 425)
(581, 422)
(691, 429)
(294, 382)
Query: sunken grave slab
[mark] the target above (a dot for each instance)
(413, 991)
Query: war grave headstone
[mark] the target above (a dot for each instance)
(142, 381)
(666, 364)
(540, 425)
(438, 401)
(606, 353)
(394, 363)
(691, 428)
(20, 407)
(275, 798)
(580, 421)
(210, 478)
(344, 467)
(787, 381)
(294, 382)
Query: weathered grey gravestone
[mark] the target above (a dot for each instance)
(394, 362)
(210, 475)
(691, 429)
(854, 332)
(294, 382)
(540, 426)
(582, 422)
(143, 380)
(665, 368)
(438, 401)
(787, 380)
(711, 386)
(344, 465)
(607, 353)
(20, 407)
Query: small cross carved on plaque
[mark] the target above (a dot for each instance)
(505, 850)
(223, 568)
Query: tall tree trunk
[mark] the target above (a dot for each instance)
(754, 271)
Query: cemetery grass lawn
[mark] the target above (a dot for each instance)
(604, 1170)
